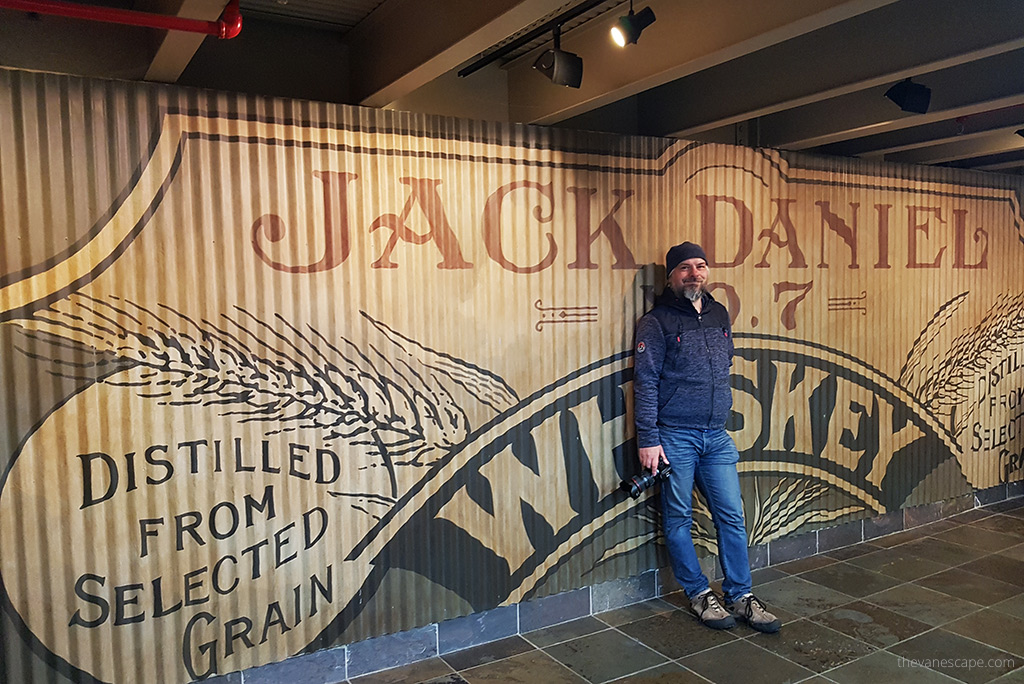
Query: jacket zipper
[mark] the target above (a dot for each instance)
(711, 368)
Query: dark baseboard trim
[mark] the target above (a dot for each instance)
(406, 648)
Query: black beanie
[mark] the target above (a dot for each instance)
(681, 253)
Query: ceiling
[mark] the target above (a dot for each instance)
(805, 75)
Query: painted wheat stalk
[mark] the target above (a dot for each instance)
(942, 378)
(630, 541)
(789, 506)
(389, 394)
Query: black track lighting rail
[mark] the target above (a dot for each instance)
(522, 40)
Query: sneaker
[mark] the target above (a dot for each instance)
(709, 609)
(750, 609)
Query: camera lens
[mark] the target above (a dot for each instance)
(638, 484)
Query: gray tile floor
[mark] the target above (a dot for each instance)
(938, 603)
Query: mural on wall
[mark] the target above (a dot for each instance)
(315, 360)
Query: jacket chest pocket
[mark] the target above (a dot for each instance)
(682, 349)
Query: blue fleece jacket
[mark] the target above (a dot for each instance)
(681, 367)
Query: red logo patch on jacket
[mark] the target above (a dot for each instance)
(640, 347)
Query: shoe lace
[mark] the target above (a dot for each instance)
(749, 603)
(711, 601)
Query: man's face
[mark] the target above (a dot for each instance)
(689, 278)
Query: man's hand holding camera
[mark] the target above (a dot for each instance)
(651, 458)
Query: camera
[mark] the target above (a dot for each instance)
(638, 484)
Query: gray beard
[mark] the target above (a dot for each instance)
(691, 292)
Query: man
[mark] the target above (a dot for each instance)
(683, 397)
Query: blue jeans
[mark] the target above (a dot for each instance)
(707, 457)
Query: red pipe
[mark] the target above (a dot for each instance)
(228, 26)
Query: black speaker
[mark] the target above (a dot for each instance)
(563, 68)
(910, 96)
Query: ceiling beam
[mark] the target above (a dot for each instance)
(939, 131)
(176, 48)
(688, 36)
(1008, 165)
(903, 39)
(405, 44)
(967, 146)
(1001, 161)
(962, 90)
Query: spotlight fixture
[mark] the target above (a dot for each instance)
(910, 96)
(563, 68)
(628, 28)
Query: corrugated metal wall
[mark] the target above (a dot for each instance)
(278, 375)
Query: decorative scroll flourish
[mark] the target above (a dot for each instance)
(849, 303)
(564, 314)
